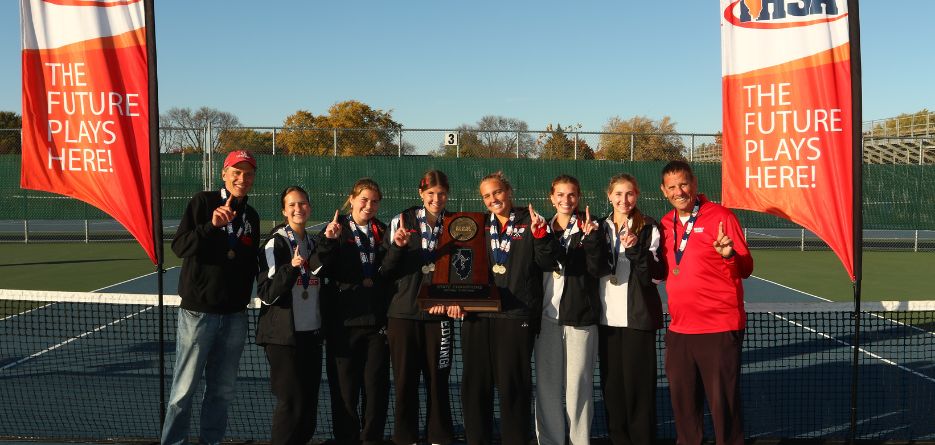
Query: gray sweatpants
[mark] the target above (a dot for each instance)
(565, 357)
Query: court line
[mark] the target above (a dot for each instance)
(861, 350)
(791, 288)
(131, 279)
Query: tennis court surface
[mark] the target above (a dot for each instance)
(86, 366)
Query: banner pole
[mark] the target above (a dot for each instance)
(156, 183)
(857, 162)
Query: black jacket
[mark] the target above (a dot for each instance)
(582, 262)
(344, 299)
(402, 267)
(276, 324)
(521, 286)
(644, 306)
(210, 282)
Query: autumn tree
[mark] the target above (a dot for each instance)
(182, 130)
(492, 137)
(652, 140)
(10, 125)
(362, 131)
(557, 145)
(245, 139)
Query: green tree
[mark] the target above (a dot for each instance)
(920, 123)
(362, 131)
(557, 144)
(652, 140)
(10, 125)
(183, 130)
(245, 139)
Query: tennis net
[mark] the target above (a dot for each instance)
(85, 366)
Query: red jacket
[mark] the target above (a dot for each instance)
(706, 296)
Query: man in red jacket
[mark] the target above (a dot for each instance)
(707, 257)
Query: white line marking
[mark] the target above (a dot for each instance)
(131, 279)
(791, 288)
(8, 317)
(862, 350)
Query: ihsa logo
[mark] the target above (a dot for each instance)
(775, 14)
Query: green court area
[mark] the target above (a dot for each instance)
(87, 267)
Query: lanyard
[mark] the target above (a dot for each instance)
(364, 246)
(617, 241)
(232, 233)
(569, 229)
(501, 248)
(689, 225)
(306, 277)
(429, 234)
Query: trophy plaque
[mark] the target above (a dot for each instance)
(461, 274)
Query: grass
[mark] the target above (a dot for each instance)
(74, 266)
(86, 267)
(886, 275)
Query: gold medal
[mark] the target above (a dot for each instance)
(613, 281)
(499, 269)
(675, 271)
(231, 254)
(368, 282)
(426, 268)
(556, 274)
(305, 294)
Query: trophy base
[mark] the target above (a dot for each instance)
(471, 297)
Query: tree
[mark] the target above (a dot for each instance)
(652, 140)
(492, 137)
(557, 145)
(10, 126)
(183, 130)
(366, 132)
(231, 139)
(920, 123)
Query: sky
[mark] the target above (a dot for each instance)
(443, 64)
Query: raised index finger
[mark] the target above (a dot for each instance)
(335, 216)
(228, 203)
(587, 214)
(402, 222)
(296, 251)
(720, 229)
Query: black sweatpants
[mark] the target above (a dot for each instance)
(497, 352)
(294, 377)
(426, 349)
(628, 383)
(358, 361)
(705, 364)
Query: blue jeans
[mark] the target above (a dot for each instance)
(209, 345)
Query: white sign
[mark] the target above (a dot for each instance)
(451, 138)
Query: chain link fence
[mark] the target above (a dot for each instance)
(899, 172)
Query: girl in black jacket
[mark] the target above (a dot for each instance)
(498, 345)
(421, 342)
(632, 312)
(354, 312)
(566, 347)
(290, 319)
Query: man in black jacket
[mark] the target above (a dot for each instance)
(218, 241)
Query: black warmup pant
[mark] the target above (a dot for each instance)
(358, 360)
(421, 348)
(628, 383)
(496, 352)
(294, 377)
(699, 365)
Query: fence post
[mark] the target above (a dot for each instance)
(632, 142)
(210, 148)
(26, 231)
(802, 241)
(576, 146)
(921, 151)
(274, 141)
(334, 141)
(693, 145)
(86, 232)
(517, 144)
(915, 242)
(400, 148)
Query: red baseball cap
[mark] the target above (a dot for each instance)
(239, 156)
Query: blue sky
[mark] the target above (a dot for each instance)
(441, 64)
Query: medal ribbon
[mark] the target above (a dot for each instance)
(306, 276)
(569, 229)
(429, 235)
(364, 246)
(501, 249)
(616, 242)
(689, 225)
(233, 234)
